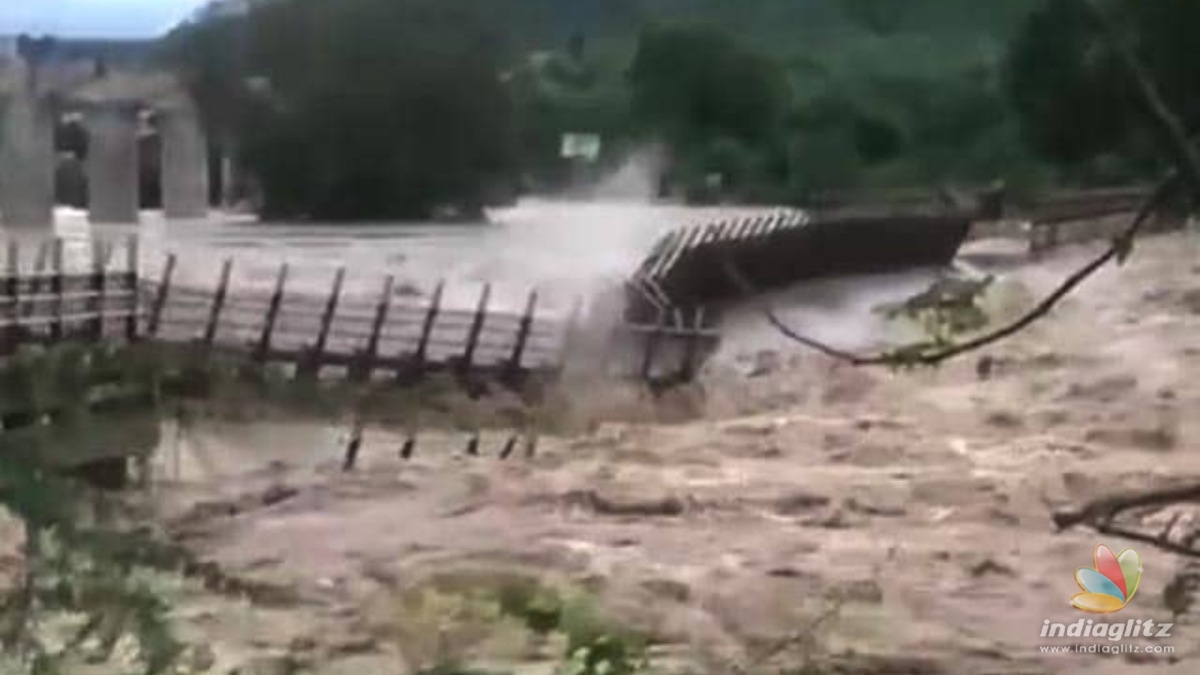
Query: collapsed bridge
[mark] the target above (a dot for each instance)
(676, 294)
(688, 267)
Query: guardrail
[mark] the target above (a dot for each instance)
(49, 304)
(390, 332)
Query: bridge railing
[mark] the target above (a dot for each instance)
(392, 331)
(49, 303)
(343, 331)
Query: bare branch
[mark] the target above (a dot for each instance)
(1106, 508)
(1099, 514)
(1118, 250)
(1155, 540)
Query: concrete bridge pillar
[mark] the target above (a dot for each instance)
(184, 164)
(27, 161)
(112, 166)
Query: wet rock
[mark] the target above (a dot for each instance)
(302, 644)
(989, 566)
(799, 502)
(1104, 390)
(278, 493)
(865, 591)
(852, 663)
(268, 665)
(752, 428)
(869, 454)
(874, 509)
(1160, 438)
(786, 573)
(669, 589)
(836, 442)
(605, 437)
(1002, 516)
(846, 386)
(867, 423)
(199, 659)
(1190, 300)
(1003, 419)
(213, 509)
(1179, 594)
(763, 363)
(984, 367)
(628, 505)
(360, 643)
(1157, 295)
(767, 452)
(1047, 360)
(834, 519)
(12, 551)
(1053, 417)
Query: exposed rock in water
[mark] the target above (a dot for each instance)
(800, 502)
(269, 665)
(623, 505)
(1004, 419)
(1104, 390)
(1159, 438)
(12, 551)
(763, 363)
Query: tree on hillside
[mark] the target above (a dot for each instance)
(878, 17)
(559, 92)
(697, 81)
(719, 105)
(362, 108)
(1074, 103)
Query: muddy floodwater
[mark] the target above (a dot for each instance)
(905, 516)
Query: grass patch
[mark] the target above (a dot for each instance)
(461, 618)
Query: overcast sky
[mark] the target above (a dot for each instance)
(93, 18)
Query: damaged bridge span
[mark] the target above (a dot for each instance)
(676, 293)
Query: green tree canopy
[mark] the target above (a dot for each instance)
(351, 109)
(691, 82)
(1074, 104)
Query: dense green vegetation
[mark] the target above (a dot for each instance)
(1076, 105)
(392, 108)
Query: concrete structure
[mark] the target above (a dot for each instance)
(184, 163)
(112, 164)
(26, 161)
(8, 49)
(112, 103)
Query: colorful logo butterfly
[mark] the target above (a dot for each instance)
(1110, 584)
